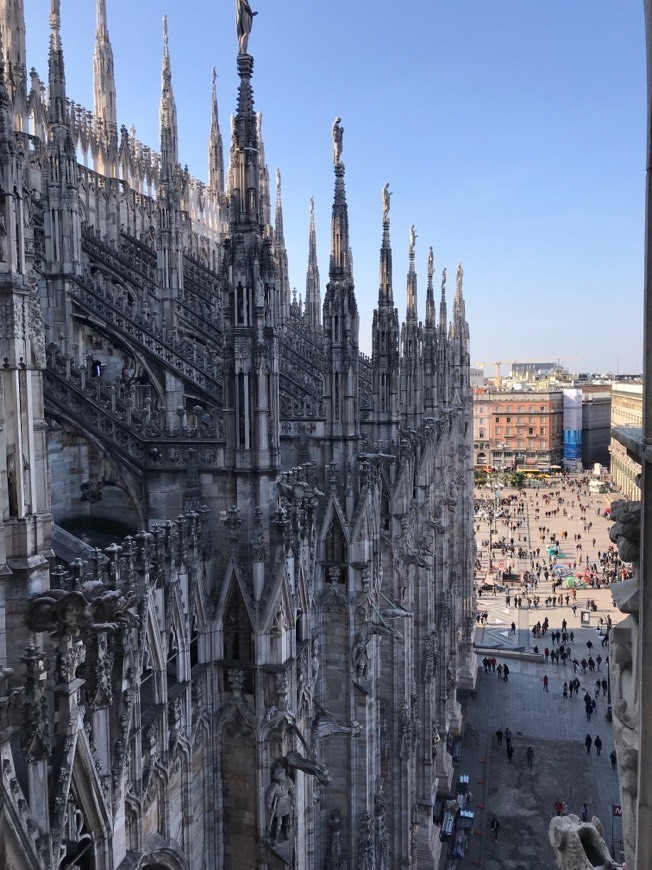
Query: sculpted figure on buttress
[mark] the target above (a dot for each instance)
(243, 19)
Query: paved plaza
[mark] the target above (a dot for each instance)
(555, 727)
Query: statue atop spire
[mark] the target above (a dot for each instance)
(431, 263)
(338, 135)
(460, 276)
(443, 280)
(413, 241)
(243, 20)
(386, 195)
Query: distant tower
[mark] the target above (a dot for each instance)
(385, 338)
(313, 291)
(341, 327)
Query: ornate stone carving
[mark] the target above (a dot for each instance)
(36, 330)
(414, 831)
(626, 531)
(366, 857)
(335, 859)
(381, 835)
(384, 726)
(579, 845)
(430, 657)
(310, 766)
(361, 656)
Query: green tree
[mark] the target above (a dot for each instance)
(517, 479)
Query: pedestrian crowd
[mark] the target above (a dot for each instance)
(560, 651)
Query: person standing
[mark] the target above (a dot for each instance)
(508, 736)
(505, 672)
(613, 758)
(510, 752)
(584, 812)
(530, 756)
(499, 736)
(588, 743)
(545, 682)
(513, 628)
(598, 744)
(495, 827)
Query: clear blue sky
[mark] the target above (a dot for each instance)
(512, 133)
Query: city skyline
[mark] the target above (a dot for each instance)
(512, 137)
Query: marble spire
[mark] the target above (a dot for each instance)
(313, 292)
(215, 146)
(385, 291)
(430, 293)
(57, 109)
(104, 92)
(340, 266)
(280, 253)
(412, 313)
(168, 111)
(443, 313)
(12, 22)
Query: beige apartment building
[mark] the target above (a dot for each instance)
(626, 413)
(517, 428)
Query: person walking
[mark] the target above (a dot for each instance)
(505, 672)
(495, 827)
(499, 736)
(613, 758)
(530, 756)
(598, 744)
(510, 752)
(588, 743)
(513, 628)
(545, 682)
(508, 736)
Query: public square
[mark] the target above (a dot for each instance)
(555, 727)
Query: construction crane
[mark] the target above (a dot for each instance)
(497, 364)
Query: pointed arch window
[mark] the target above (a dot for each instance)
(238, 636)
(335, 542)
